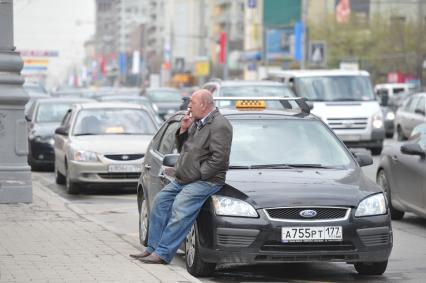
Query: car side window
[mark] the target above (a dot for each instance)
(168, 141)
(411, 105)
(67, 119)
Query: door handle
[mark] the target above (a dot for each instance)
(147, 166)
(395, 158)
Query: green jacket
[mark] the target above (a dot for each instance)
(204, 152)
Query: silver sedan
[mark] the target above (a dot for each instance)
(102, 143)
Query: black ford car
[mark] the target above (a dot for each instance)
(293, 193)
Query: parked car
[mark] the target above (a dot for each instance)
(293, 193)
(410, 114)
(43, 117)
(396, 92)
(139, 100)
(166, 100)
(102, 144)
(402, 174)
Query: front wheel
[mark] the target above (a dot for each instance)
(72, 188)
(371, 268)
(383, 182)
(143, 221)
(400, 134)
(194, 264)
(59, 178)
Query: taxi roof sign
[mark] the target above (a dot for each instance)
(257, 104)
(285, 101)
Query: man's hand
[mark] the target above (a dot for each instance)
(186, 122)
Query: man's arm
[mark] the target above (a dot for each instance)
(182, 132)
(220, 149)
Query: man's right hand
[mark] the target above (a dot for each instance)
(186, 123)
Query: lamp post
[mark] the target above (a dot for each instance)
(15, 174)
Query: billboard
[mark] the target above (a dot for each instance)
(279, 43)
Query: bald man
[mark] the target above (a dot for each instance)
(204, 142)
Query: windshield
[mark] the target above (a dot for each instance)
(165, 96)
(335, 88)
(52, 112)
(285, 142)
(114, 122)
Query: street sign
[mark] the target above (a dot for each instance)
(317, 53)
(201, 68)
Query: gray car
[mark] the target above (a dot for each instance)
(402, 174)
(410, 114)
(102, 143)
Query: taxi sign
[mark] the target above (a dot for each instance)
(250, 104)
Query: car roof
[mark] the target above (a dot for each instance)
(109, 105)
(112, 97)
(247, 83)
(64, 99)
(318, 73)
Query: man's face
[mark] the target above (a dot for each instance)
(196, 107)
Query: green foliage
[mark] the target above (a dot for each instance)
(380, 46)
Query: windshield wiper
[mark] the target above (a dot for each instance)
(271, 166)
(86, 134)
(310, 166)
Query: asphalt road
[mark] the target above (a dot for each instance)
(117, 211)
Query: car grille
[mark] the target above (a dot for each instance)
(275, 246)
(235, 241)
(124, 157)
(293, 213)
(305, 258)
(347, 123)
(373, 240)
(119, 175)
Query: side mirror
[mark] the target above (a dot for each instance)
(310, 104)
(27, 118)
(170, 160)
(413, 149)
(363, 159)
(61, 131)
(420, 111)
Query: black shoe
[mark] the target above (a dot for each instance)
(139, 256)
(152, 259)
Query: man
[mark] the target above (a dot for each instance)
(204, 141)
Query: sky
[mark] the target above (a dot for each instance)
(58, 25)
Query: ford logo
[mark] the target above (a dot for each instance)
(308, 213)
(125, 157)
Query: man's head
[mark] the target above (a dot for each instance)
(201, 103)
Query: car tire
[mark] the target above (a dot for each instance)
(371, 268)
(71, 187)
(400, 134)
(143, 220)
(376, 150)
(389, 135)
(382, 180)
(194, 264)
(59, 178)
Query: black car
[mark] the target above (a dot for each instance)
(44, 116)
(293, 193)
(402, 174)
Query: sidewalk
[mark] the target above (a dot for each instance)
(47, 242)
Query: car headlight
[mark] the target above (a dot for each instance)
(378, 120)
(227, 206)
(373, 205)
(85, 156)
(390, 116)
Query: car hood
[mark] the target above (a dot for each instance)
(166, 106)
(44, 129)
(291, 187)
(353, 109)
(112, 144)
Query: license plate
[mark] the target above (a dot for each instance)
(311, 234)
(351, 138)
(118, 168)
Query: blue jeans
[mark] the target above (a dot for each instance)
(174, 211)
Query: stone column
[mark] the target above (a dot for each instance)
(15, 174)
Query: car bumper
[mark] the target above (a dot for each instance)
(375, 140)
(41, 154)
(252, 241)
(98, 173)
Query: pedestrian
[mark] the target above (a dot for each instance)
(204, 142)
